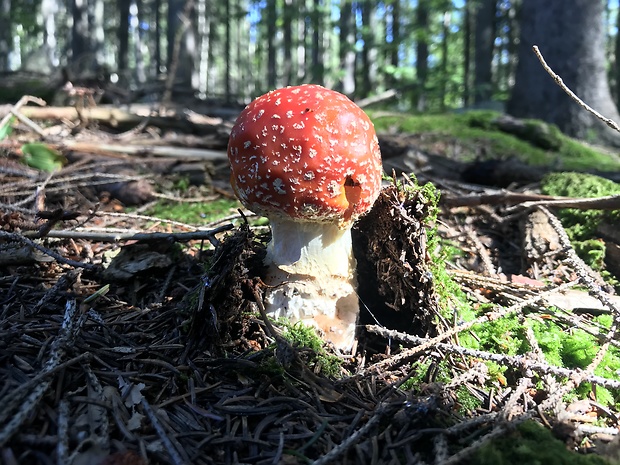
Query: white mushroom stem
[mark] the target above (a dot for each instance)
(312, 278)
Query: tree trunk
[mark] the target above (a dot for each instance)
(227, 53)
(396, 36)
(96, 30)
(80, 44)
(617, 59)
(421, 67)
(572, 40)
(467, 53)
(346, 50)
(444, 60)
(369, 51)
(157, 36)
(181, 33)
(123, 35)
(139, 72)
(272, 17)
(49, 11)
(6, 36)
(317, 46)
(287, 39)
(484, 39)
(513, 34)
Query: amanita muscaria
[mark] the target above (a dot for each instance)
(308, 158)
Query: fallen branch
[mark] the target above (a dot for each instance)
(46, 251)
(140, 236)
(520, 200)
(518, 361)
(144, 150)
(114, 116)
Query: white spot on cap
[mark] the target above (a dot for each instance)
(333, 189)
(278, 186)
(253, 171)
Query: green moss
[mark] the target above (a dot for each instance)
(194, 213)
(477, 134)
(581, 225)
(549, 337)
(467, 403)
(592, 251)
(579, 185)
(576, 156)
(504, 335)
(302, 336)
(576, 349)
(182, 184)
(563, 348)
(531, 444)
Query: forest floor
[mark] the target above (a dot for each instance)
(129, 331)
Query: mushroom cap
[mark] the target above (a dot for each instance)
(307, 153)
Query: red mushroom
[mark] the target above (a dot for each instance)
(308, 158)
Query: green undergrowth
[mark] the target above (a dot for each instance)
(581, 225)
(476, 134)
(532, 444)
(562, 347)
(316, 357)
(195, 213)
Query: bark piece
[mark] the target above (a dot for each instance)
(539, 238)
(389, 244)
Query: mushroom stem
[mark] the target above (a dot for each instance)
(312, 278)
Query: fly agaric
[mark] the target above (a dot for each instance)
(308, 158)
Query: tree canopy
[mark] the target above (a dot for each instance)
(435, 54)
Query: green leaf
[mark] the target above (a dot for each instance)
(7, 128)
(42, 157)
